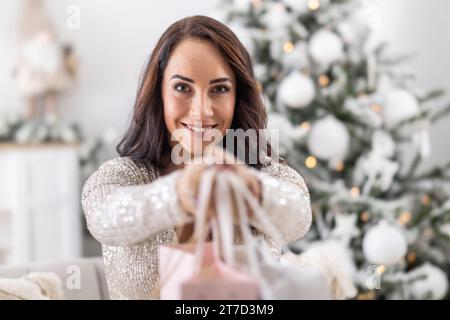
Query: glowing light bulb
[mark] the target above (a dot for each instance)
(376, 108)
(313, 5)
(324, 80)
(404, 218)
(288, 47)
(311, 162)
(354, 192)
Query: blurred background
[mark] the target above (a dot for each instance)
(357, 89)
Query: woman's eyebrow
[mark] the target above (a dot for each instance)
(218, 80)
(177, 76)
(225, 79)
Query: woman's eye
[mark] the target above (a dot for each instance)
(182, 88)
(220, 89)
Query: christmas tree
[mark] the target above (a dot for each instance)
(354, 123)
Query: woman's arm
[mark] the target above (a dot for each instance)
(121, 211)
(285, 198)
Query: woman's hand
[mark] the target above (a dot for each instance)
(189, 181)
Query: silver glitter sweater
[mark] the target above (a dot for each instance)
(131, 211)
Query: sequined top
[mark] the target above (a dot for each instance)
(131, 211)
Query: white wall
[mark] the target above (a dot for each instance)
(117, 36)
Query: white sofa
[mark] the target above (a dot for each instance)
(92, 276)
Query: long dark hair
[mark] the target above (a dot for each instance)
(147, 139)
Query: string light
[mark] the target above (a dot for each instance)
(305, 125)
(354, 192)
(426, 200)
(313, 5)
(339, 166)
(311, 162)
(411, 257)
(381, 269)
(365, 216)
(324, 80)
(288, 47)
(404, 218)
(376, 108)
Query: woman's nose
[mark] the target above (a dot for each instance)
(201, 106)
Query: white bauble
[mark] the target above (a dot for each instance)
(329, 139)
(277, 17)
(298, 58)
(261, 71)
(434, 286)
(400, 105)
(326, 47)
(384, 244)
(296, 90)
(383, 144)
(278, 125)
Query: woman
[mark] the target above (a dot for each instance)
(199, 79)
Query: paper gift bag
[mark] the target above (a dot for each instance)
(176, 265)
(219, 281)
(215, 280)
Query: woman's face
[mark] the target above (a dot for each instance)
(199, 94)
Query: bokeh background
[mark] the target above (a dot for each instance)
(97, 51)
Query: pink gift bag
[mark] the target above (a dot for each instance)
(214, 280)
(195, 271)
(218, 281)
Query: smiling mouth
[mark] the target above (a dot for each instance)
(201, 129)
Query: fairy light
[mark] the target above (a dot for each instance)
(311, 162)
(376, 107)
(404, 218)
(313, 5)
(339, 166)
(305, 125)
(324, 80)
(354, 192)
(381, 269)
(411, 257)
(426, 200)
(365, 216)
(288, 47)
